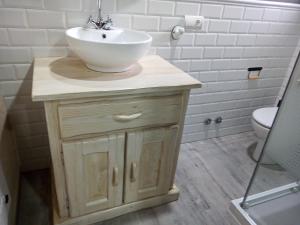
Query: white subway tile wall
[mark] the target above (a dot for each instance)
(233, 38)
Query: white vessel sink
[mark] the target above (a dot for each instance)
(113, 50)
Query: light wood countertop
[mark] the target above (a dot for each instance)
(68, 78)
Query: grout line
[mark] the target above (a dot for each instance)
(233, 100)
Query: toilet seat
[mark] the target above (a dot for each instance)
(265, 116)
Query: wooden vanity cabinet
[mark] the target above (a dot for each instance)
(114, 138)
(129, 158)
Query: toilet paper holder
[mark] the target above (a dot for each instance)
(254, 73)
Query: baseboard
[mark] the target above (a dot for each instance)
(99, 216)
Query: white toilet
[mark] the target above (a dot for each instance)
(262, 120)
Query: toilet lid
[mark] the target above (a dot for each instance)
(265, 116)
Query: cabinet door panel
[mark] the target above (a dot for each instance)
(149, 160)
(90, 167)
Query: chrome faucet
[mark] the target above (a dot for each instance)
(100, 23)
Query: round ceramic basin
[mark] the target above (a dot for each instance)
(114, 50)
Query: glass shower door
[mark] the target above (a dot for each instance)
(273, 195)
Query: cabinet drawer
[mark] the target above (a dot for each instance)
(96, 117)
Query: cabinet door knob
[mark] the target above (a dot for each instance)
(133, 172)
(125, 118)
(115, 176)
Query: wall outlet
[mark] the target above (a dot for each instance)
(194, 21)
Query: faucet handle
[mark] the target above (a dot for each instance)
(109, 19)
(89, 20)
(108, 23)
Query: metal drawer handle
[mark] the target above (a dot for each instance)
(115, 176)
(125, 118)
(133, 172)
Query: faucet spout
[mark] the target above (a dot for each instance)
(99, 10)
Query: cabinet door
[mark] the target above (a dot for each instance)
(149, 159)
(94, 173)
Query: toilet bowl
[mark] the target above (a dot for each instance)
(262, 121)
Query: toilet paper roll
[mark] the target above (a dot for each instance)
(194, 21)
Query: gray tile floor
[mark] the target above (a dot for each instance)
(210, 173)
(35, 199)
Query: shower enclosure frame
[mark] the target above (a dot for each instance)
(241, 214)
